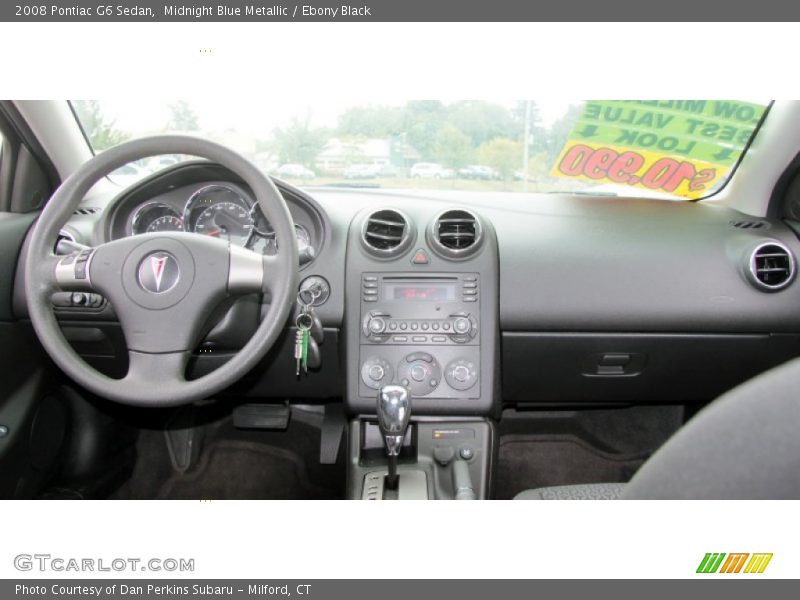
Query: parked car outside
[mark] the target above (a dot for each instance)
(482, 172)
(424, 170)
(362, 171)
(294, 171)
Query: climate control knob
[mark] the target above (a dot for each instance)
(461, 374)
(376, 372)
(420, 373)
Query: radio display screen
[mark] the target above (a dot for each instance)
(419, 292)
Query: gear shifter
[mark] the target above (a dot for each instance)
(394, 411)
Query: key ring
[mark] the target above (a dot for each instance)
(303, 294)
(304, 321)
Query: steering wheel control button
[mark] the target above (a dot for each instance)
(420, 257)
(461, 374)
(159, 273)
(376, 372)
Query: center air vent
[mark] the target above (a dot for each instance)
(772, 266)
(456, 233)
(386, 232)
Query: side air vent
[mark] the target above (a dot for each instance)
(386, 233)
(86, 210)
(456, 233)
(745, 224)
(771, 267)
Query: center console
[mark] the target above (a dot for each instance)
(421, 321)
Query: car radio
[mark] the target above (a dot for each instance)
(422, 332)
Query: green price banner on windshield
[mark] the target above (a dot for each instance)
(678, 147)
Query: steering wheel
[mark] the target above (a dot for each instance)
(162, 286)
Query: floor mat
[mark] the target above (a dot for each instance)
(240, 469)
(531, 461)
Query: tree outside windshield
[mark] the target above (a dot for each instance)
(683, 149)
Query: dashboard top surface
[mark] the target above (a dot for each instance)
(566, 263)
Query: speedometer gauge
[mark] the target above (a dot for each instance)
(220, 211)
(227, 221)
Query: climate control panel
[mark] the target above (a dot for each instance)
(423, 374)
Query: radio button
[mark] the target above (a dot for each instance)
(403, 326)
(424, 327)
(435, 326)
(438, 338)
(400, 339)
(414, 327)
(377, 325)
(462, 325)
(419, 339)
(470, 299)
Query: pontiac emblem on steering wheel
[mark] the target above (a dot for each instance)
(159, 273)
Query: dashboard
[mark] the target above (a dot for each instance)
(578, 300)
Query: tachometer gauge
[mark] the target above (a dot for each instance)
(227, 221)
(166, 223)
(156, 216)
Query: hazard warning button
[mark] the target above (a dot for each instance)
(420, 257)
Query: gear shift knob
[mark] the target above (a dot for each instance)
(394, 411)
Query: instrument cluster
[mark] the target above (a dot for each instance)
(219, 210)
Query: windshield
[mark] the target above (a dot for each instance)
(676, 149)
